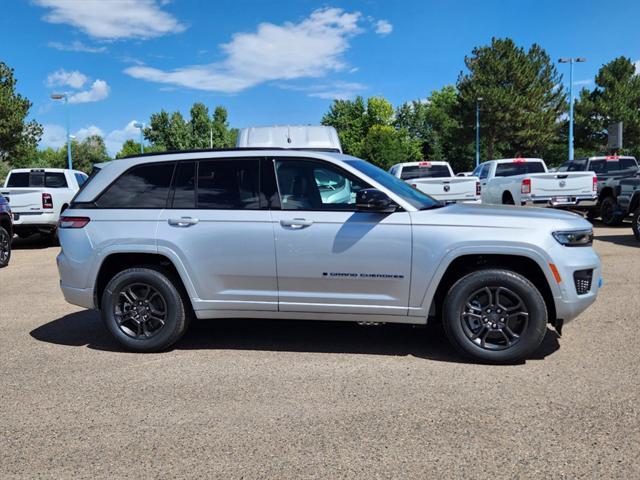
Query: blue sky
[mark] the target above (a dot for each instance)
(274, 61)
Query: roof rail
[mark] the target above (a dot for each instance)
(232, 149)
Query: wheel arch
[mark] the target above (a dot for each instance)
(522, 263)
(635, 202)
(606, 192)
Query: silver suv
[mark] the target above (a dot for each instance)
(155, 240)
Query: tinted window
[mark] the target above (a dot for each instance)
(628, 164)
(228, 184)
(80, 178)
(574, 166)
(37, 179)
(518, 168)
(144, 186)
(484, 172)
(184, 185)
(315, 185)
(419, 171)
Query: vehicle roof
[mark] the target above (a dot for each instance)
(604, 157)
(430, 162)
(290, 136)
(39, 169)
(511, 160)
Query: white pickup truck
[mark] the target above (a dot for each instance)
(438, 180)
(526, 181)
(38, 195)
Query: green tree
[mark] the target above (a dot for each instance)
(131, 147)
(521, 101)
(90, 151)
(18, 137)
(348, 117)
(385, 146)
(615, 98)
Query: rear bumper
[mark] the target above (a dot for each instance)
(83, 297)
(35, 220)
(564, 200)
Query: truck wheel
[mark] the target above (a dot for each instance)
(5, 247)
(143, 310)
(635, 223)
(610, 212)
(507, 199)
(495, 316)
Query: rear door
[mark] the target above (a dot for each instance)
(330, 257)
(218, 226)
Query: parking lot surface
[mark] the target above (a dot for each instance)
(264, 399)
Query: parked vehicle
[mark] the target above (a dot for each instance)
(526, 181)
(438, 180)
(6, 232)
(153, 240)
(609, 169)
(628, 197)
(308, 137)
(38, 195)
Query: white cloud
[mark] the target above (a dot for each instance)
(383, 28)
(53, 136)
(311, 48)
(585, 82)
(637, 65)
(76, 46)
(99, 91)
(61, 78)
(330, 91)
(112, 19)
(88, 132)
(116, 138)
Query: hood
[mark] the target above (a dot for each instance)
(501, 216)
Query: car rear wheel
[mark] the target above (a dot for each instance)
(144, 310)
(609, 212)
(635, 223)
(5, 247)
(495, 316)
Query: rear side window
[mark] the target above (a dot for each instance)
(518, 168)
(144, 186)
(228, 184)
(419, 171)
(37, 180)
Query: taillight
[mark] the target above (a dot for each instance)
(525, 189)
(478, 188)
(73, 222)
(595, 184)
(47, 201)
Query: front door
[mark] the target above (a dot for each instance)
(330, 257)
(218, 225)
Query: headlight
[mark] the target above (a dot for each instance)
(576, 238)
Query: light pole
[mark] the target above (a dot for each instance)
(478, 100)
(65, 97)
(571, 61)
(140, 125)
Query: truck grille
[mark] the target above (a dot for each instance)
(582, 279)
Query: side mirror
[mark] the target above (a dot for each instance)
(373, 200)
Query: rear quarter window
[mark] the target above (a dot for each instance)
(144, 186)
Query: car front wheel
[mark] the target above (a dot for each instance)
(143, 310)
(495, 316)
(5, 247)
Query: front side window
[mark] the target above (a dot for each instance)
(484, 171)
(144, 186)
(316, 185)
(228, 184)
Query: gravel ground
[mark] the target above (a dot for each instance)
(258, 399)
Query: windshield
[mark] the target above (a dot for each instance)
(424, 171)
(413, 196)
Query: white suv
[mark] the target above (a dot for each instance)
(154, 240)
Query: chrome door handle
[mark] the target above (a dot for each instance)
(182, 222)
(296, 223)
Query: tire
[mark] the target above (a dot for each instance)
(5, 247)
(635, 224)
(464, 311)
(609, 212)
(142, 334)
(51, 238)
(592, 214)
(507, 199)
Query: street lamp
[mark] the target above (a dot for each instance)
(478, 100)
(65, 97)
(571, 61)
(140, 125)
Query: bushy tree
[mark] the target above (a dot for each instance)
(385, 146)
(348, 117)
(18, 137)
(521, 101)
(615, 98)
